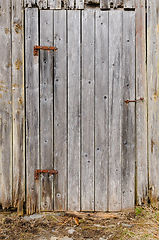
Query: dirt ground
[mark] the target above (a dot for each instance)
(141, 224)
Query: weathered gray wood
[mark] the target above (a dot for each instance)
(35, 1)
(32, 109)
(115, 105)
(128, 123)
(117, 3)
(42, 4)
(105, 4)
(60, 111)
(69, 4)
(79, 4)
(31, 3)
(92, 1)
(5, 106)
(54, 4)
(27, 3)
(18, 107)
(87, 158)
(128, 4)
(74, 110)
(141, 106)
(101, 110)
(46, 109)
(153, 99)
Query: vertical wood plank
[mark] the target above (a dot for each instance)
(69, 4)
(60, 111)
(74, 110)
(32, 109)
(115, 105)
(141, 106)
(46, 109)
(5, 106)
(105, 4)
(153, 98)
(101, 110)
(128, 124)
(54, 4)
(87, 158)
(128, 4)
(79, 4)
(18, 106)
(42, 4)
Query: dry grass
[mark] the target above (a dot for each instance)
(141, 224)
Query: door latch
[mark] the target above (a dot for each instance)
(38, 171)
(36, 48)
(128, 101)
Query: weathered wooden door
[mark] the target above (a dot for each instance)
(77, 120)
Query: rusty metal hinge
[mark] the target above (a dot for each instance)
(36, 48)
(38, 171)
(128, 101)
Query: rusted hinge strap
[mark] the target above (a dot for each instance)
(128, 101)
(38, 171)
(36, 48)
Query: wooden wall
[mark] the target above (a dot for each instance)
(153, 98)
(12, 120)
(80, 4)
(12, 93)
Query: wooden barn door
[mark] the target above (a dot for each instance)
(77, 120)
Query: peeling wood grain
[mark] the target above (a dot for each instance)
(153, 98)
(18, 106)
(141, 107)
(5, 106)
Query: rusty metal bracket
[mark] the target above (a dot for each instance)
(38, 171)
(36, 48)
(128, 101)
